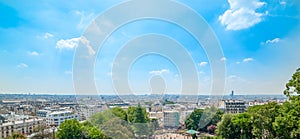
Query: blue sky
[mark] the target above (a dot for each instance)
(259, 39)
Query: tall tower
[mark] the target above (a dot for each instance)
(232, 94)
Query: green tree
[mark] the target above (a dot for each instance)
(131, 113)
(95, 133)
(243, 121)
(262, 119)
(101, 117)
(115, 128)
(69, 129)
(217, 116)
(293, 86)
(287, 124)
(200, 119)
(140, 123)
(227, 129)
(16, 136)
(111, 125)
(140, 115)
(193, 120)
(89, 131)
(119, 112)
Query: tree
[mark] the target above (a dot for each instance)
(16, 136)
(211, 129)
(119, 112)
(140, 122)
(263, 117)
(293, 86)
(287, 124)
(131, 113)
(69, 129)
(115, 128)
(140, 116)
(200, 119)
(89, 131)
(101, 117)
(41, 132)
(227, 129)
(193, 120)
(111, 124)
(243, 121)
(95, 133)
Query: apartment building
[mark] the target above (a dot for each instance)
(234, 106)
(171, 118)
(25, 126)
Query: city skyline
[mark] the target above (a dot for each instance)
(258, 38)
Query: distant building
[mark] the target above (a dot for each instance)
(254, 103)
(157, 115)
(56, 117)
(234, 106)
(171, 119)
(25, 126)
(184, 115)
(87, 111)
(232, 94)
(42, 113)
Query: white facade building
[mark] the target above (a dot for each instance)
(57, 117)
(25, 127)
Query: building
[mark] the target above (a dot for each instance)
(184, 115)
(234, 106)
(25, 126)
(42, 113)
(157, 115)
(86, 111)
(57, 117)
(171, 119)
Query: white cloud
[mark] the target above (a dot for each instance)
(276, 40)
(248, 59)
(33, 53)
(45, 36)
(159, 72)
(22, 65)
(48, 35)
(241, 14)
(223, 59)
(73, 43)
(203, 63)
(68, 43)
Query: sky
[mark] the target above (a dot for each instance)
(259, 40)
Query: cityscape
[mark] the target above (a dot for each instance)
(150, 69)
